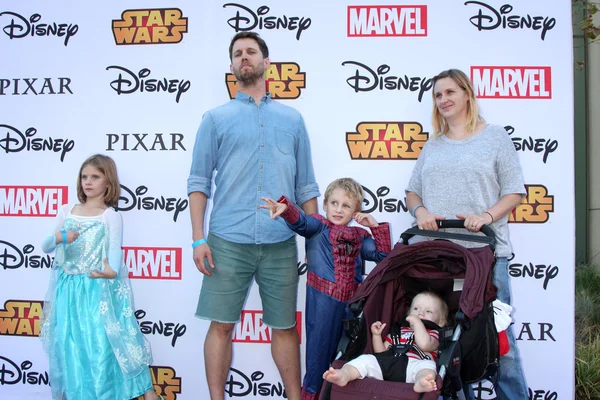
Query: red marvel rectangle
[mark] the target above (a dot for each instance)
(153, 262)
(32, 201)
(512, 82)
(388, 20)
(252, 329)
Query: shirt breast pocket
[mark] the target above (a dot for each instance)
(284, 140)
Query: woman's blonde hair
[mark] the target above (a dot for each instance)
(440, 125)
(107, 166)
(350, 187)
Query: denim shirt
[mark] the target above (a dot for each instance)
(256, 150)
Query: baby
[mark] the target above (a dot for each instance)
(421, 365)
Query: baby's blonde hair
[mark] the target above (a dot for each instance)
(348, 185)
(443, 306)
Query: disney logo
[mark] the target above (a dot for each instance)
(20, 27)
(376, 201)
(240, 385)
(251, 20)
(11, 257)
(11, 373)
(495, 19)
(374, 79)
(160, 328)
(136, 199)
(539, 145)
(16, 141)
(131, 83)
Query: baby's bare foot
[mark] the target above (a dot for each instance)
(426, 384)
(337, 376)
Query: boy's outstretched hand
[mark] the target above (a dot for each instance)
(275, 208)
(365, 220)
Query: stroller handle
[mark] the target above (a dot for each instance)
(489, 238)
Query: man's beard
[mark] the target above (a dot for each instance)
(249, 78)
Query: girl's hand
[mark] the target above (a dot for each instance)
(474, 222)
(106, 273)
(71, 236)
(427, 220)
(377, 328)
(365, 220)
(275, 208)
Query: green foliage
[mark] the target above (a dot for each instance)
(587, 332)
(590, 28)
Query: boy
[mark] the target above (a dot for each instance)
(420, 368)
(334, 254)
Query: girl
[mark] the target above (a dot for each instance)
(89, 330)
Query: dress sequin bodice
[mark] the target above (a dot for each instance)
(87, 248)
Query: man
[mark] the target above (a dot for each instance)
(259, 148)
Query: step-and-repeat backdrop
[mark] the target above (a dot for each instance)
(132, 79)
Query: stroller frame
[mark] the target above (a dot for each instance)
(353, 342)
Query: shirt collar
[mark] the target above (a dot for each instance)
(246, 98)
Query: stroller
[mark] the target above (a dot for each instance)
(468, 350)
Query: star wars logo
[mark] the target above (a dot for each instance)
(535, 208)
(15, 141)
(13, 257)
(21, 318)
(387, 20)
(512, 82)
(21, 27)
(150, 26)
(488, 18)
(32, 201)
(386, 141)
(153, 262)
(246, 20)
(12, 373)
(166, 382)
(283, 80)
(252, 329)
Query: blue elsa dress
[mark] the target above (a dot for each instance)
(89, 330)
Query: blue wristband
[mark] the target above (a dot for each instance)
(64, 236)
(414, 210)
(198, 243)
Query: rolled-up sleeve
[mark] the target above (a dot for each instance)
(306, 185)
(204, 157)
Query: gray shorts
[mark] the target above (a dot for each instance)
(273, 266)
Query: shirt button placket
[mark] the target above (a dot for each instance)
(259, 230)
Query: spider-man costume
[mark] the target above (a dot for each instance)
(334, 254)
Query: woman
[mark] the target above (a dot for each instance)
(470, 170)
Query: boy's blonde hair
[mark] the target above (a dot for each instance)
(107, 166)
(348, 185)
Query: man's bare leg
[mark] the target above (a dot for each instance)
(217, 357)
(285, 348)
